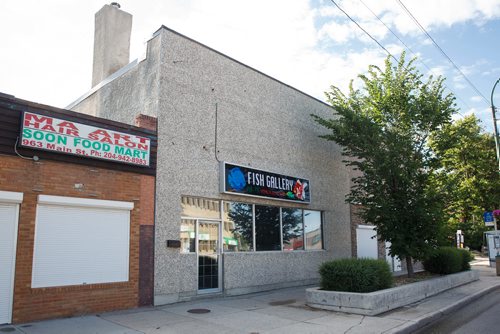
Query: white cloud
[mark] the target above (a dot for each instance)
(430, 14)
(438, 71)
(50, 42)
(339, 33)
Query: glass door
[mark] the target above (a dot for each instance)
(208, 248)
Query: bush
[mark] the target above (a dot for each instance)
(448, 260)
(355, 275)
(467, 257)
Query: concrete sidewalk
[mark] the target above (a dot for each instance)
(279, 311)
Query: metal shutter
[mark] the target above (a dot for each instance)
(80, 244)
(9, 210)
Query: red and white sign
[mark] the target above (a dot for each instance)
(63, 136)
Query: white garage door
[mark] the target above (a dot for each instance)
(366, 239)
(80, 241)
(9, 211)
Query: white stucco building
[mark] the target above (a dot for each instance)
(212, 109)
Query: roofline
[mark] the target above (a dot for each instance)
(134, 63)
(104, 82)
(157, 32)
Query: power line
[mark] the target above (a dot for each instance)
(388, 28)
(407, 47)
(413, 53)
(366, 32)
(442, 51)
(387, 51)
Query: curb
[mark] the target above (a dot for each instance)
(431, 317)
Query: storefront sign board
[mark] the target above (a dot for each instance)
(242, 180)
(63, 136)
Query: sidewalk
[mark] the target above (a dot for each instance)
(279, 311)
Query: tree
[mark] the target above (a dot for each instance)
(383, 129)
(468, 176)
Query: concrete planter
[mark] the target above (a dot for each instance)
(381, 301)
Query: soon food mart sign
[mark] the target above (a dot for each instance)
(63, 136)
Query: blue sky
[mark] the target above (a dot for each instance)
(309, 44)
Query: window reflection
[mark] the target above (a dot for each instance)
(293, 229)
(267, 228)
(188, 235)
(238, 231)
(312, 222)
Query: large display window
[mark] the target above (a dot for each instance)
(252, 227)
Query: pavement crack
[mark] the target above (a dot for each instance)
(360, 322)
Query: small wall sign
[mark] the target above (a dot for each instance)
(242, 180)
(488, 218)
(63, 136)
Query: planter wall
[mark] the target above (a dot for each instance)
(381, 301)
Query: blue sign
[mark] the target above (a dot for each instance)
(488, 217)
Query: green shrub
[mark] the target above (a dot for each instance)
(355, 275)
(448, 260)
(467, 257)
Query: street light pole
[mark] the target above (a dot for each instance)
(495, 129)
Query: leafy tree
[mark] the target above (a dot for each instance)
(383, 129)
(468, 177)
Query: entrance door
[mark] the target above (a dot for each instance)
(8, 239)
(208, 248)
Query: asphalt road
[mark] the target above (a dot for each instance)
(480, 316)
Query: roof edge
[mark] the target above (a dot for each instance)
(163, 27)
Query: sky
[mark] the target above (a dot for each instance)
(47, 46)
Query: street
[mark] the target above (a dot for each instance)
(480, 316)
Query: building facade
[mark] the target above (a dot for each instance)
(76, 232)
(214, 115)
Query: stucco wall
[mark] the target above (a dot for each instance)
(260, 123)
(130, 94)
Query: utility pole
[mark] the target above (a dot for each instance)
(495, 129)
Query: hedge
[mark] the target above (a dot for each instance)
(355, 275)
(448, 260)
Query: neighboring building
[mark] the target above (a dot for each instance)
(210, 238)
(76, 223)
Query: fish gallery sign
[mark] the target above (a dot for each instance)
(63, 136)
(241, 180)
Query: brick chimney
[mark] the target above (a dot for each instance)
(111, 41)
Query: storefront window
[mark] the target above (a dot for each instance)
(238, 227)
(188, 235)
(313, 230)
(267, 228)
(248, 227)
(293, 229)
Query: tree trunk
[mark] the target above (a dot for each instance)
(409, 266)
